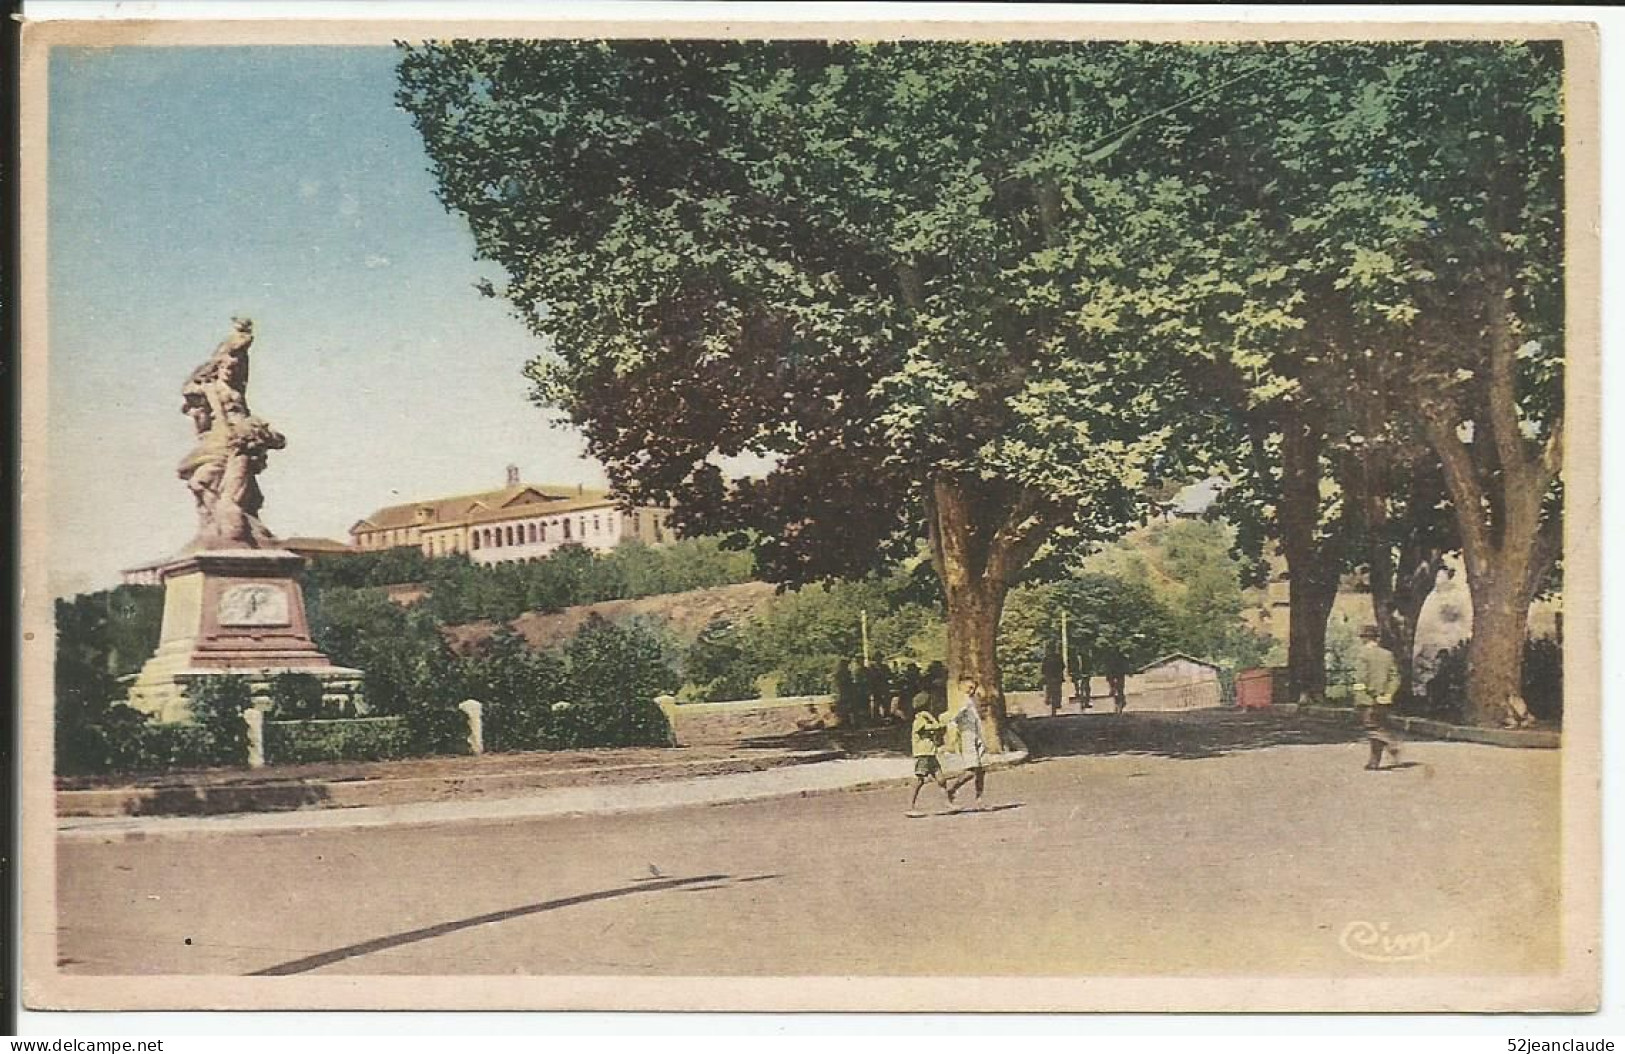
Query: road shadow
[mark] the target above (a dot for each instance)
(1192, 735)
(397, 940)
(878, 740)
(213, 801)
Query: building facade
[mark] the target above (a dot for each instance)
(521, 521)
(152, 574)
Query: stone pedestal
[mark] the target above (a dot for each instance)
(239, 612)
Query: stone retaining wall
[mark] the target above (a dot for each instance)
(722, 723)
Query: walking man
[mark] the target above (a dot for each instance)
(1379, 680)
(1054, 672)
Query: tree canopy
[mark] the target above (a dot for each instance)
(991, 295)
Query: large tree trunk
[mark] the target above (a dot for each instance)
(1495, 650)
(1398, 595)
(1313, 563)
(981, 536)
(974, 610)
(1498, 480)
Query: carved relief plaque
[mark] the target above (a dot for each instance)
(254, 604)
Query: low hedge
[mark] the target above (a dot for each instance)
(349, 739)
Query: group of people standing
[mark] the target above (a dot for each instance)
(959, 736)
(1053, 669)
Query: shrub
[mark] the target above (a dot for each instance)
(718, 665)
(1447, 688)
(1543, 678)
(354, 739)
(164, 747)
(437, 683)
(1542, 682)
(615, 672)
(217, 708)
(297, 697)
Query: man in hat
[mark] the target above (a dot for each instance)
(1379, 680)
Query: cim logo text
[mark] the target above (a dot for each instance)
(1378, 943)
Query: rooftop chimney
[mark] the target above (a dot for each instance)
(513, 475)
(581, 489)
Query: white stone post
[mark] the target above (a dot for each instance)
(668, 706)
(254, 719)
(476, 731)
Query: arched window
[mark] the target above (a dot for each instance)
(597, 525)
(541, 533)
(533, 538)
(475, 540)
(566, 530)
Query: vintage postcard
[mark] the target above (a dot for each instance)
(886, 515)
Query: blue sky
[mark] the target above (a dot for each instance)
(191, 184)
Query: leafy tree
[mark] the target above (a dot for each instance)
(1117, 626)
(1480, 325)
(615, 673)
(719, 665)
(101, 638)
(1190, 568)
(385, 567)
(937, 282)
(1406, 200)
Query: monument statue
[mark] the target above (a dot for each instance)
(223, 467)
(232, 599)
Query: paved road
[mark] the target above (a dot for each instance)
(1203, 852)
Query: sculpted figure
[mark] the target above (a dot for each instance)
(222, 469)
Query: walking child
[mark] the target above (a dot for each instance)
(927, 736)
(967, 722)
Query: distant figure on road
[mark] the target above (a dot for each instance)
(927, 738)
(1115, 683)
(967, 722)
(1054, 673)
(1379, 680)
(878, 684)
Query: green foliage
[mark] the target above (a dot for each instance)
(353, 739)
(908, 265)
(100, 638)
(885, 263)
(615, 673)
(364, 629)
(1115, 625)
(385, 567)
(1543, 678)
(217, 705)
(804, 633)
(1192, 569)
(297, 697)
(718, 665)
(460, 591)
(1342, 649)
